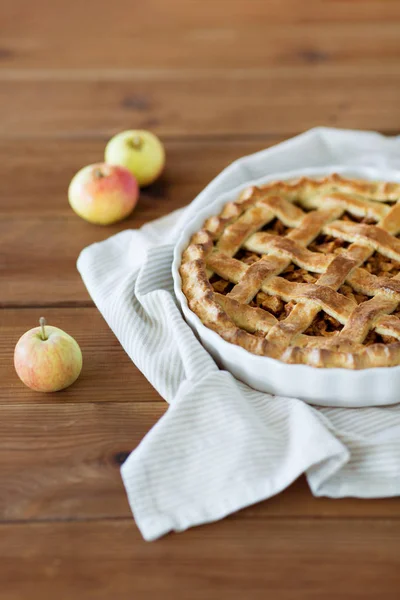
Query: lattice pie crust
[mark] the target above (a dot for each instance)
(306, 271)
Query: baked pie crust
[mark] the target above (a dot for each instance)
(305, 271)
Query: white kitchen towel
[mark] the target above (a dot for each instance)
(221, 445)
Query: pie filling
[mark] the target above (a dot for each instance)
(323, 324)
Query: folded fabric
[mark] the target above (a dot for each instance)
(221, 445)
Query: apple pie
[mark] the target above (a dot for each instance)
(304, 271)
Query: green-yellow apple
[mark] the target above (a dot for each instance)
(47, 359)
(139, 151)
(103, 194)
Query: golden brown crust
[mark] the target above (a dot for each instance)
(340, 277)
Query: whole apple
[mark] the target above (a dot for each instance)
(103, 194)
(139, 151)
(47, 359)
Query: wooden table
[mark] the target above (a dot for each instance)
(216, 80)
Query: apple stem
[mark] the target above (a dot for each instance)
(98, 173)
(42, 322)
(136, 142)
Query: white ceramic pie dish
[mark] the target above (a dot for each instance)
(324, 387)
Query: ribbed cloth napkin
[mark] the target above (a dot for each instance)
(221, 445)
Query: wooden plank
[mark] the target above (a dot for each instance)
(22, 19)
(108, 374)
(263, 42)
(62, 460)
(282, 101)
(40, 236)
(284, 560)
(61, 35)
(35, 174)
(38, 261)
(297, 502)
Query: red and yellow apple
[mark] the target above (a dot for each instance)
(103, 194)
(139, 151)
(47, 359)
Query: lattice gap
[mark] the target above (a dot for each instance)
(326, 244)
(348, 216)
(324, 325)
(221, 285)
(273, 304)
(276, 227)
(376, 338)
(298, 275)
(382, 266)
(247, 257)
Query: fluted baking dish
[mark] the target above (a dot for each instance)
(321, 386)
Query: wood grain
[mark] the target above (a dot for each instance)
(284, 100)
(199, 47)
(50, 278)
(62, 460)
(108, 374)
(36, 173)
(285, 559)
(40, 236)
(204, 34)
(23, 18)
